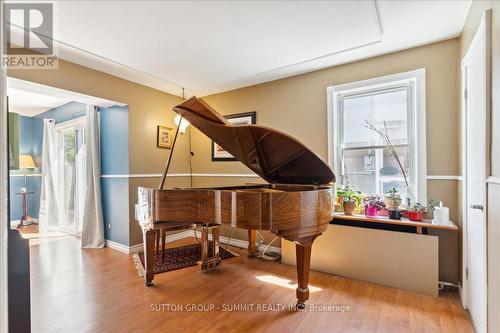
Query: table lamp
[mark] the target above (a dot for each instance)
(26, 162)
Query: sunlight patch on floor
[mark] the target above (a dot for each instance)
(272, 279)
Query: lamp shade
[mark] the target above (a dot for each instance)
(26, 162)
(182, 124)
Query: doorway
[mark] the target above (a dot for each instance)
(70, 141)
(475, 120)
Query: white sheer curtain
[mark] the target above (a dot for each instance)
(48, 215)
(92, 224)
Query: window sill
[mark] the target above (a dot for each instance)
(419, 226)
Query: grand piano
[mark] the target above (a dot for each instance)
(296, 203)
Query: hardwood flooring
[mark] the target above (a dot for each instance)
(75, 290)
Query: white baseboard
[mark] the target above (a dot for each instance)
(462, 296)
(117, 246)
(15, 223)
(241, 243)
(185, 234)
(139, 248)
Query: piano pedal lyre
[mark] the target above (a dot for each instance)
(208, 261)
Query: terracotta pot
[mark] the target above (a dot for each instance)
(349, 207)
(371, 210)
(415, 216)
(392, 203)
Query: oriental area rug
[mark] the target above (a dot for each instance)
(177, 258)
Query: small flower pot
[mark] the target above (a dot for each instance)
(392, 202)
(395, 214)
(371, 210)
(415, 216)
(383, 212)
(349, 207)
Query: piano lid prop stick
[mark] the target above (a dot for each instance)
(164, 176)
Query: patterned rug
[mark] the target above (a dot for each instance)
(177, 258)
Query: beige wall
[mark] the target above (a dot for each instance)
(297, 105)
(147, 108)
(493, 227)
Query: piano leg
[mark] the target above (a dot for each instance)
(204, 247)
(216, 244)
(149, 255)
(252, 246)
(208, 262)
(303, 254)
(157, 241)
(163, 243)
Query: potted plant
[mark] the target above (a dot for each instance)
(373, 204)
(416, 212)
(395, 214)
(350, 198)
(431, 205)
(393, 199)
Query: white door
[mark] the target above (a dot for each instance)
(475, 69)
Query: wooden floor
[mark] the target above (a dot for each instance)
(76, 290)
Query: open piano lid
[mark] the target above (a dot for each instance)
(273, 155)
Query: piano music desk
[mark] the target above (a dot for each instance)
(394, 253)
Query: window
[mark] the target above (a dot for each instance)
(358, 154)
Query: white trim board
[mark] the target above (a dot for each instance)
(138, 247)
(28, 175)
(493, 180)
(158, 175)
(229, 175)
(444, 177)
(186, 234)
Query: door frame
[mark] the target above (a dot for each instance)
(4, 194)
(483, 31)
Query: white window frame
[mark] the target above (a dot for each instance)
(414, 79)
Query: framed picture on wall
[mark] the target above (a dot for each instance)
(164, 137)
(219, 153)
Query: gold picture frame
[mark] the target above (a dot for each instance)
(164, 137)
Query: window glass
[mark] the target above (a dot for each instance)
(365, 160)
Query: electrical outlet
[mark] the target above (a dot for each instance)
(109, 226)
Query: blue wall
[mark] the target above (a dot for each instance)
(64, 112)
(114, 161)
(30, 142)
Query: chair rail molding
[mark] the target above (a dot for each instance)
(158, 175)
(493, 180)
(444, 177)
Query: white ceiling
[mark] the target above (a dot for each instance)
(30, 99)
(213, 46)
(30, 104)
